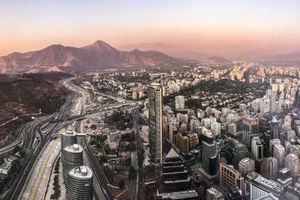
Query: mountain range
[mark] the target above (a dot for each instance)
(176, 51)
(98, 55)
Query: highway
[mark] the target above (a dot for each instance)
(135, 183)
(27, 138)
(22, 135)
(41, 171)
(37, 134)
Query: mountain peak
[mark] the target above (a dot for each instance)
(54, 46)
(101, 44)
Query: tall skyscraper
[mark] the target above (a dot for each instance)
(71, 157)
(274, 128)
(257, 148)
(155, 122)
(80, 183)
(210, 155)
(249, 127)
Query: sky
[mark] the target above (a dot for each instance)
(223, 27)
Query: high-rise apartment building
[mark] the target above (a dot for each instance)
(179, 102)
(80, 183)
(155, 122)
(71, 157)
(257, 148)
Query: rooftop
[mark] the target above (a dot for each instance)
(82, 172)
(69, 132)
(264, 183)
(74, 148)
(172, 154)
(5, 166)
(179, 195)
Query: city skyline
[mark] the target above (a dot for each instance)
(150, 100)
(226, 28)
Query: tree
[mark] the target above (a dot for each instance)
(93, 126)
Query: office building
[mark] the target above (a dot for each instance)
(176, 182)
(274, 128)
(260, 187)
(230, 178)
(269, 168)
(155, 123)
(249, 127)
(80, 183)
(210, 155)
(235, 151)
(246, 166)
(257, 148)
(292, 163)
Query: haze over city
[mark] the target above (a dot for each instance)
(234, 29)
(150, 100)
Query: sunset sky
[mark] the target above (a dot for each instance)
(223, 27)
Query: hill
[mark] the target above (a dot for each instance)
(24, 96)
